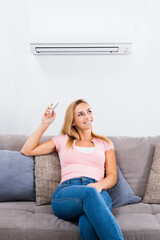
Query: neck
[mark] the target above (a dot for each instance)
(85, 135)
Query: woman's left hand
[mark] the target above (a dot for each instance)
(96, 186)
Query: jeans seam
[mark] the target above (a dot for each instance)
(59, 200)
(110, 206)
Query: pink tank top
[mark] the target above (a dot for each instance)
(77, 164)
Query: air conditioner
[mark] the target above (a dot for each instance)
(90, 38)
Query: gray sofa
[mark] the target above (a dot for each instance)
(23, 220)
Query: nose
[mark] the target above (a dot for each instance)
(87, 116)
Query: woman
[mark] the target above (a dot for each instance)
(84, 156)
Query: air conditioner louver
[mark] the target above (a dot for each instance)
(72, 49)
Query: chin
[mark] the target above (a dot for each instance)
(88, 127)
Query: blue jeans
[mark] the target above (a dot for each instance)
(74, 200)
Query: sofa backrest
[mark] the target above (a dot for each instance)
(134, 156)
(15, 142)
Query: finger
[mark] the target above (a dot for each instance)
(53, 114)
(49, 107)
(47, 112)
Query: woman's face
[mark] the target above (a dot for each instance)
(83, 118)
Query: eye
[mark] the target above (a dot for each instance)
(89, 111)
(80, 114)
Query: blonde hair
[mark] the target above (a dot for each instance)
(71, 130)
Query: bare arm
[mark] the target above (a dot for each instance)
(32, 146)
(111, 173)
(111, 170)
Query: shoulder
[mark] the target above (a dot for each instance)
(60, 140)
(103, 144)
(63, 137)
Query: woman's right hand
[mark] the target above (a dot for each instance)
(48, 116)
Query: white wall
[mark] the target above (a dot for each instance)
(123, 90)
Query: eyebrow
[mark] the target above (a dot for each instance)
(82, 111)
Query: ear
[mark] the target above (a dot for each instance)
(73, 124)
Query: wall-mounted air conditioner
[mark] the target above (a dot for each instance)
(54, 37)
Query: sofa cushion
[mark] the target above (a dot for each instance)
(48, 176)
(152, 193)
(122, 193)
(134, 157)
(26, 221)
(139, 221)
(16, 177)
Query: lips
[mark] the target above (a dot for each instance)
(88, 122)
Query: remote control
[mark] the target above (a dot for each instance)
(54, 106)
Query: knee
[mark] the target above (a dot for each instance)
(67, 209)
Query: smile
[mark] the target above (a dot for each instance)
(88, 122)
